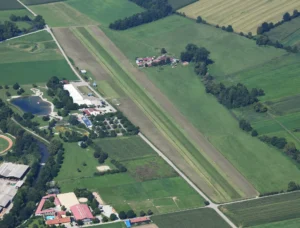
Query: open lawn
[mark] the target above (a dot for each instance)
(125, 148)
(105, 11)
(5, 14)
(265, 210)
(291, 223)
(244, 15)
(3, 144)
(255, 160)
(288, 33)
(134, 189)
(32, 59)
(65, 15)
(10, 4)
(200, 218)
(112, 225)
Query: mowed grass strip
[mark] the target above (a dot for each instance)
(265, 210)
(243, 15)
(105, 11)
(65, 15)
(255, 160)
(199, 218)
(10, 4)
(224, 191)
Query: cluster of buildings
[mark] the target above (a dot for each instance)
(150, 61)
(11, 179)
(67, 201)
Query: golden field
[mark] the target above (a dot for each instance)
(244, 15)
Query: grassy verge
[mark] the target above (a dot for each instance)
(201, 165)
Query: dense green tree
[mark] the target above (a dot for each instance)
(113, 217)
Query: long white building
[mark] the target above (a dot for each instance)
(76, 95)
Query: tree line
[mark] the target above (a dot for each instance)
(156, 9)
(9, 29)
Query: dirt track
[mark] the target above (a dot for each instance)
(236, 178)
(86, 60)
(10, 143)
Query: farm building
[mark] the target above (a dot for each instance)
(92, 111)
(68, 199)
(60, 218)
(11, 170)
(136, 221)
(76, 95)
(82, 212)
(51, 211)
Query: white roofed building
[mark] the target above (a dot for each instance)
(76, 95)
(11, 170)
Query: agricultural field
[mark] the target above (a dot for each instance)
(244, 15)
(288, 33)
(188, 94)
(291, 223)
(37, 2)
(177, 4)
(36, 55)
(199, 218)
(264, 210)
(105, 11)
(65, 15)
(10, 4)
(142, 187)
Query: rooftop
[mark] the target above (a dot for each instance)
(140, 219)
(81, 211)
(58, 220)
(11, 170)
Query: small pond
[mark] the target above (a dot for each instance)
(33, 104)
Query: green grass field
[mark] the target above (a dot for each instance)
(107, 90)
(177, 4)
(3, 144)
(287, 33)
(65, 15)
(265, 210)
(222, 189)
(112, 225)
(291, 223)
(255, 160)
(141, 188)
(37, 2)
(105, 11)
(201, 218)
(32, 59)
(126, 148)
(5, 14)
(10, 4)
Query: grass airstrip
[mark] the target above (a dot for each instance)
(186, 91)
(149, 183)
(32, 59)
(244, 16)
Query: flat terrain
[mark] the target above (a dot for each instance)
(10, 4)
(243, 15)
(3, 144)
(213, 177)
(176, 4)
(187, 93)
(37, 2)
(65, 15)
(149, 182)
(35, 56)
(265, 210)
(105, 11)
(5, 14)
(200, 218)
(291, 223)
(287, 33)
(112, 225)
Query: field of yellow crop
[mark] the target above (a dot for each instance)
(244, 15)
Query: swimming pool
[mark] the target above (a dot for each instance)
(49, 217)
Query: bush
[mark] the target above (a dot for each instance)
(105, 219)
(142, 213)
(122, 215)
(97, 154)
(113, 217)
(96, 220)
(206, 202)
(245, 125)
(130, 214)
(46, 118)
(254, 133)
(149, 212)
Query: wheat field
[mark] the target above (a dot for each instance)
(244, 15)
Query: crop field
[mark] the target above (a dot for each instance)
(288, 33)
(177, 4)
(265, 210)
(199, 218)
(243, 15)
(65, 15)
(37, 2)
(222, 188)
(10, 4)
(291, 223)
(35, 56)
(141, 188)
(187, 93)
(105, 11)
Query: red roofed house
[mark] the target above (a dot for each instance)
(82, 212)
(50, 211)
(139, 220)
(58, 220)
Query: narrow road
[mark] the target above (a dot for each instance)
(34, 14)
(31, 132)
(211, 204)
(27, 34)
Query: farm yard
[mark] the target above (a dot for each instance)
(149, 182)
(265, 210)
(193, 219)
(188, 94)
(244, 16)
(35, 55)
